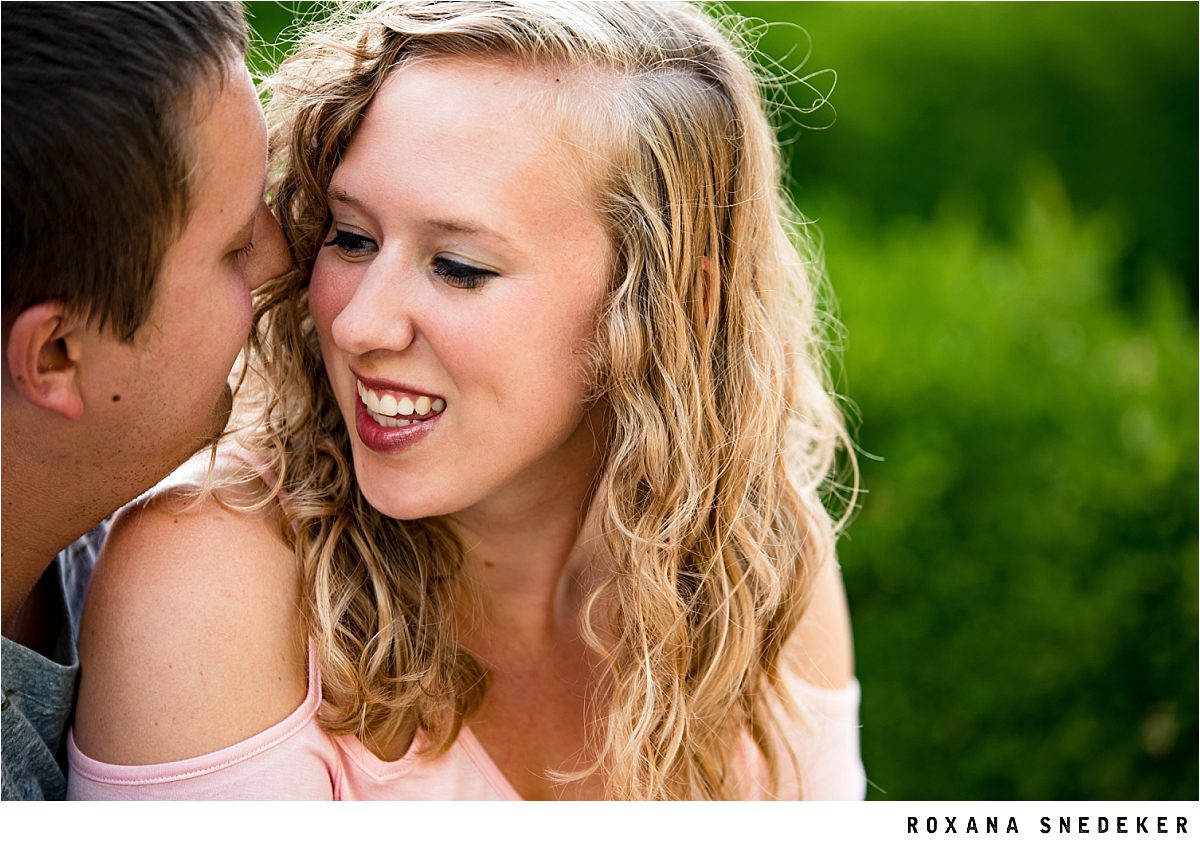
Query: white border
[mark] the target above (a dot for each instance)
(593, 824)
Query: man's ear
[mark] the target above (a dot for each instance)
(42, 355)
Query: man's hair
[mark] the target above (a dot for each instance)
(98, 99)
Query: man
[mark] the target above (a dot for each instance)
(134, 158)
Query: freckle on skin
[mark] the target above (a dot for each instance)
(116, 397)
(488, 564)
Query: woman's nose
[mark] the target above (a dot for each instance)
(376, 317)
(270, 258)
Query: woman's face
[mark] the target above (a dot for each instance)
(457, 292)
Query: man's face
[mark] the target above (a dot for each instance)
(166, 395)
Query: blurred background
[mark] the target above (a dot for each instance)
(1006, 195)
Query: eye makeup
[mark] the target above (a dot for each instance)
(351, 243)
(460, 274)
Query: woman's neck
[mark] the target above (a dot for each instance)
(532, 556)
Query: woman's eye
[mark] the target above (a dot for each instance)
(351, 243)
(460, 275)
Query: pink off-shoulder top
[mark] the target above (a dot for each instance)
(297, 759)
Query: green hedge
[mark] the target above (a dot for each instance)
(961, 96)
(1023, 569)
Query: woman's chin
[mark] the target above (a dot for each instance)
(399, 500)
(386, 502)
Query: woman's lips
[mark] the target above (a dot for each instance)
(391, 417)
(388, 438)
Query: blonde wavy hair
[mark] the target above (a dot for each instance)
(708, 355)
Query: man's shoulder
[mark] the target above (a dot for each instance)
(38, 695)
(30, 771)
(39, 690)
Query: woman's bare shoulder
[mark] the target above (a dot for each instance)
(821, 649)
(192, 638)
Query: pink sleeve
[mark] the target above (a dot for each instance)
(825, 741)
(293, 759)
(829, 755)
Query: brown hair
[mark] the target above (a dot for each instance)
(97, 99)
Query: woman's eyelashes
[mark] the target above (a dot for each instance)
(351, 244)
(459, 274)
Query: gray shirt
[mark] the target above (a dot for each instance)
(39, 690)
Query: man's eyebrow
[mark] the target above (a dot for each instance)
(241, 234)
(262, 196)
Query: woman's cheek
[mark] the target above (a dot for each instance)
(328, 293)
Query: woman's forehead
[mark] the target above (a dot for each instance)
(475, 126)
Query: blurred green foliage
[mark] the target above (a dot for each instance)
(934, 98)
(1007, 200)
(1023, 571)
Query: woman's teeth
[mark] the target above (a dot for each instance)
(392, 412)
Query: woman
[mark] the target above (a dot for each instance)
(542, 426)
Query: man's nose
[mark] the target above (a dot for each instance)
(271, 257)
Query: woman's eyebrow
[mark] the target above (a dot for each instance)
(458, 227)
(453, 227)
(340, 196)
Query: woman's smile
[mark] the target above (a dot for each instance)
(390, 417)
